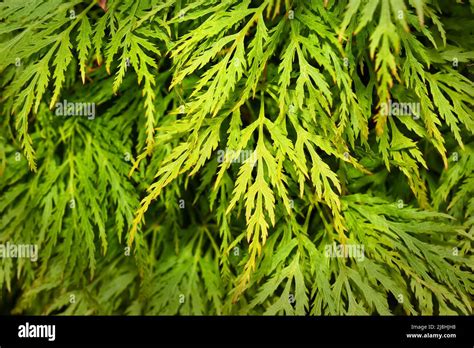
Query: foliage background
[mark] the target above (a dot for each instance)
(300, 83)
